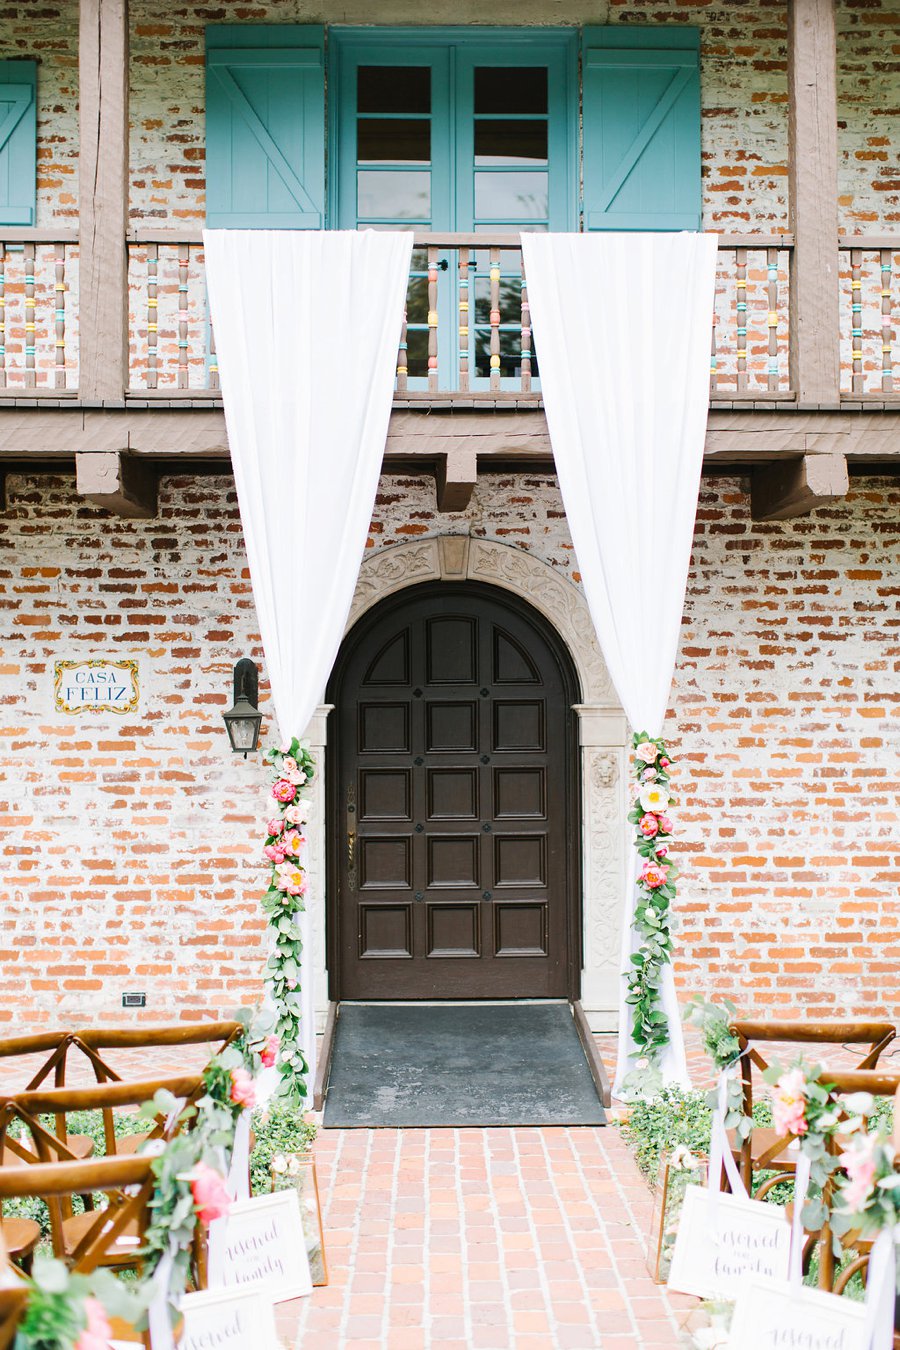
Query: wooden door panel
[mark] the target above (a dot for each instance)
(453, 771)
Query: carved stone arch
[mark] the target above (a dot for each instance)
(461, 558)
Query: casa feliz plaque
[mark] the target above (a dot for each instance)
(99, 685)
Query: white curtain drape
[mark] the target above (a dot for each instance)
(622, 326)
(307, 326)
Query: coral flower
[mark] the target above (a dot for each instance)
(243, 1093)
(211, 1198)
(647, 752)
(269, 1052)
(789, 1103)
(653, 875)
(290, 878)
(648, 825)
(284, 791)
(98, 1333)
(859, 1164)
(292, 842)
(275, 852)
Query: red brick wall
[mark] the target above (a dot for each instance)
(129, 848)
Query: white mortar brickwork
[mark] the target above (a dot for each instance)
(130, 847)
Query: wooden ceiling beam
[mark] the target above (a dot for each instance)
(119, 483)
(794, 487)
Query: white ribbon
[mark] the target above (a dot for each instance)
(720, 1154)
(158, 1320)
(801, 1186)
(238, 1182)
(881, 1290)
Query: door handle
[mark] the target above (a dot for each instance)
(351, 832)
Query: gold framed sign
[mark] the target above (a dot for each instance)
(98, 685)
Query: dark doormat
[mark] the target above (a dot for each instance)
(420, 1064)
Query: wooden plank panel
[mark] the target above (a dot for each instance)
(103, 198)
(812, 185)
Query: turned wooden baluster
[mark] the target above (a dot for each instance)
(772, 265)
(60, 316)
(30, 378)
(152, 315)
(741, 308)
(856, 321)
(2, 315)
(464, 320)
(495, 318)
(403, 355)
(526, 336)
(887, 332)
(213, 361)
(432, 319)
(184, 258)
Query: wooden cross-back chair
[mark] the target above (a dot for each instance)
(764, 1149)
(55, 1045)
(128, 1184)
(72, 1235)
(845, 1084)
(97, 1042)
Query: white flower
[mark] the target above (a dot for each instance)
(859, 1103)
(279, 1163)
(684, 1160)
(153, 1148)
(654, 798)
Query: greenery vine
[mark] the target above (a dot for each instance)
(293, 768)
(655, 894)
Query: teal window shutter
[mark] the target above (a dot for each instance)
(641, 128)
(18, 143)
(265, 126)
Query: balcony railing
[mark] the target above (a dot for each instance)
(466, 330)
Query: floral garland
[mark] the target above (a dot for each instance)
(714, 1021)
(292, 770)
(656, 891)
(867, 1193)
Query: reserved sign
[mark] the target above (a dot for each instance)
(773, 1315)
(228, 1319)
(720, 1245)
(261, 1243)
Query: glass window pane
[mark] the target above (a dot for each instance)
(401, 194)
(522, 142)
(395, 140)
(389, 89)
(417, 300)
(511, 196)
(510, 353)
(417, 351)
(510, 89)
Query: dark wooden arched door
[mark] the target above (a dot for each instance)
(453, 863)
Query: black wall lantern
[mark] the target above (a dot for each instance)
(244, 719)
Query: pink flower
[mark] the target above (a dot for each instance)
(789, 1103)
(287, 764)
(274, 852)
(665, 824)
(243, 1093)
(662, 851)
(283, 791)
(274, 826)
(859, 1163)
(98, 1333)
(211, 1198)
(290, 878)
(647, 752)
(292, 843)
(648, 825)
(653, 875)
(269, 1052)
(664, 763)
(648, 775)
(298, 814)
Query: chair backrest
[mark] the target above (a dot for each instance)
(95, 1042)
(51, 1149)
(876, 1036)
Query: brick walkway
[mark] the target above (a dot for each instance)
(496, 1239)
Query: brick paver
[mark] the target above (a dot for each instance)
(492, 1239)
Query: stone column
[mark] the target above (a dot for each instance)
(317, 735)
(602, 735)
